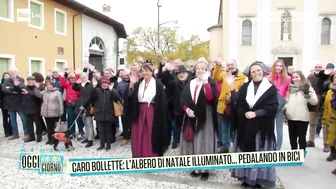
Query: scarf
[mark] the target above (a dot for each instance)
(333, 98)
(251, 99)
(295, 88)
(147, 93)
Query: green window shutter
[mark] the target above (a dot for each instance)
(35, 12)
(60, 22)
(4, 65)
(4, 9)
(60, 65)
(35, 66)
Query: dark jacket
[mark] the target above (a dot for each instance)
(31, 103)
(57, 83)
(84, 98)
(313, 79)
(122, 85)
(13, 100)
(103, 105)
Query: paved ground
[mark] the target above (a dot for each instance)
(314, 173)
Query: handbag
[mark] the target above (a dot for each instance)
(188, 133)
(91, 111)
(118, 109)
(228, 110)
(61, 127)
(73, 103)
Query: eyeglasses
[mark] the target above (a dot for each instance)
(318, 66)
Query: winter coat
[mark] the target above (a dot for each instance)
(103, 105)
(297, 105)
(52, 105)
(13, 100)
(84, 96)
(31, 103)
(70, 94)
(122, 85)
(225, 92)
(281, 86)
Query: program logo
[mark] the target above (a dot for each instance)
(42, 161)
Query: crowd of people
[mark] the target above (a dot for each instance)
(202, 107)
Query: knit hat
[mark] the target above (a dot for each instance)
(110, 70)
(105, 80)
(330, 66)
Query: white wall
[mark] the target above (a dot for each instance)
(92, 28)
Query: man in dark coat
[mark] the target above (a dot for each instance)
(32, 109)
(13, 102)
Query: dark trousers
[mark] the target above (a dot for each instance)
(72, 118)
(51, 125)
(297, 133)
(126, 128)
(6, 122)
(30, 120)
(106, 132)
(63, 118)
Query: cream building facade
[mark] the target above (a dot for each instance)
(301, 32)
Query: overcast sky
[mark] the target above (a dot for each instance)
(193, 16)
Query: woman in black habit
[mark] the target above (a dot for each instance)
(255, 107)
(146, 107)
(199, 103)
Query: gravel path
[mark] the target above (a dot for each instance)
(9, 153)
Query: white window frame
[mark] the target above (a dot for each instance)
(65, 21)
(9, 56)
(38, 59)
(59, 60)
(42, 18)
(11, 13)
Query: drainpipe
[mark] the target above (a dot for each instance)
(117, 53)
(73, 38)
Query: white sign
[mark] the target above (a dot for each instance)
(23, 15)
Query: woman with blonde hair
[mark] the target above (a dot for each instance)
(300, 94)
(281, 80)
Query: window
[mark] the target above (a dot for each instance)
(6, 62)
(6, 10)
(36, 65)
(36, 11)
(60, 22)
(247, 33)
(325, 31)
(60, 64)
(4, 65)
(286, 26)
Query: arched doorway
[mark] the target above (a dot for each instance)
(97, 50)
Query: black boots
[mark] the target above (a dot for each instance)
(89, 144)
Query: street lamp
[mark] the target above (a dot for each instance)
(159, 5)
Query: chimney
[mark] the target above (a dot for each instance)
(106, 8)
